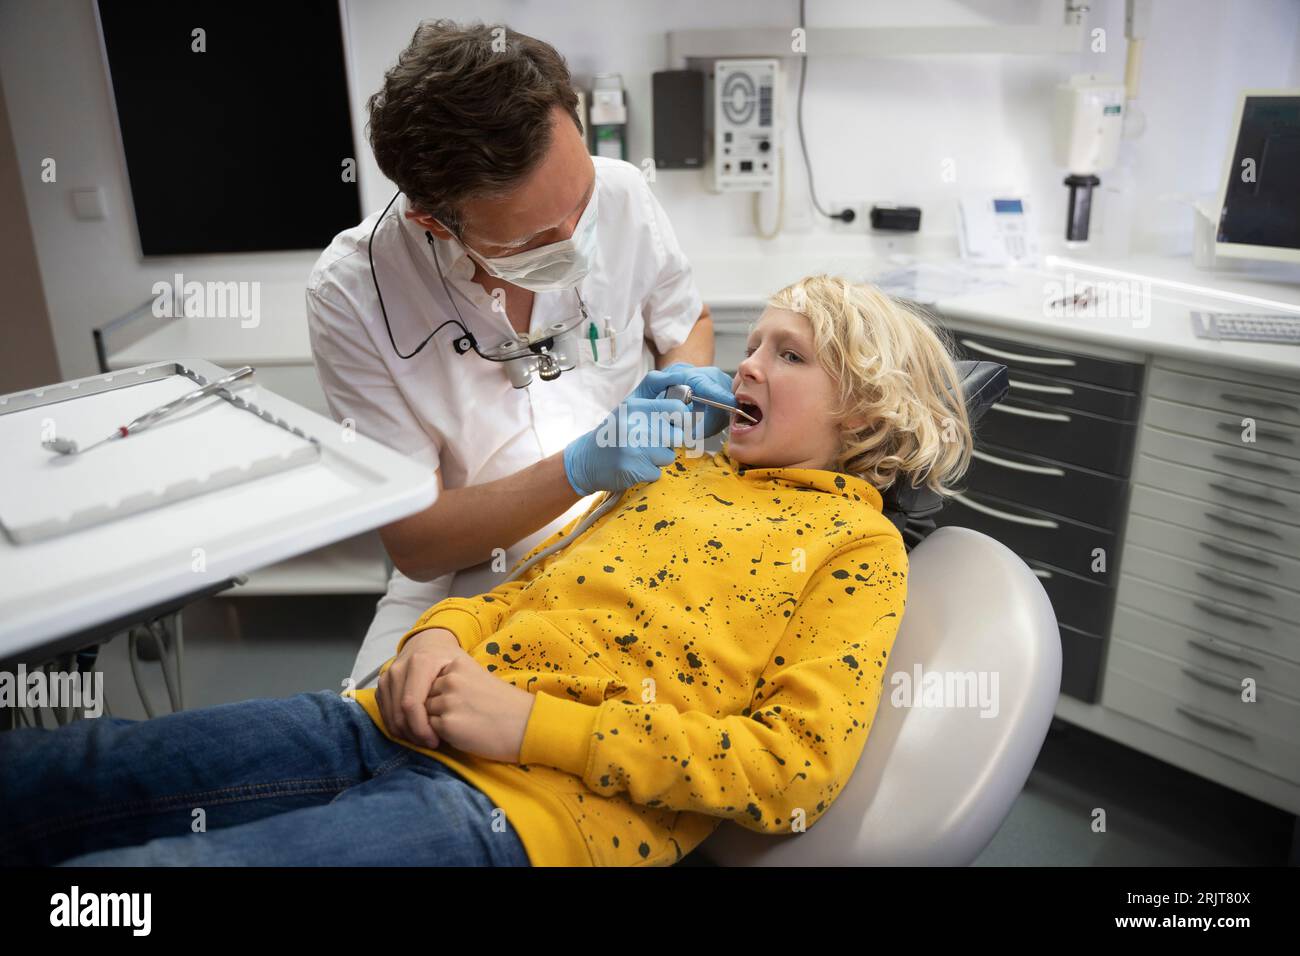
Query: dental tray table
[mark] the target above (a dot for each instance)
(243, 479)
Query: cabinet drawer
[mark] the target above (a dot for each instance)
(1272, 470)
(1056, 363)
(1201, 649)
(1226, 491)
(1259, 732)
(1208, 688)
(1231, 524)
(1275, 442)
(1213, 552)
(1032, 533)
(1227, 373)
(1110, 402)
(1266, 605)
(1079, 493)
(1229, 621)
(1079, 438)
(1239, 399)
(1232, 738)
(1078, 602)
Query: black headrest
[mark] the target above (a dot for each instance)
(983, 384)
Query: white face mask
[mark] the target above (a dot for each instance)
(550, 268)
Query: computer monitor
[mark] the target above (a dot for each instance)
(1259, 199)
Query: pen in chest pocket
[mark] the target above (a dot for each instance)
(593, 337)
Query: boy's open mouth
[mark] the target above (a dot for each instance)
(740, 424)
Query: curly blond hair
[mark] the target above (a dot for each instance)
(892, 366)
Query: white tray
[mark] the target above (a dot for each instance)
(220, 441)
(55, 589)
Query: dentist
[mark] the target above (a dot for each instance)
(504, 224)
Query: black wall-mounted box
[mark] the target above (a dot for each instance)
(677, 101)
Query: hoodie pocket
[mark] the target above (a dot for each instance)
(535, 655)
(577, 687)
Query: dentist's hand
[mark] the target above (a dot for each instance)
(706, 380)
(628, 447)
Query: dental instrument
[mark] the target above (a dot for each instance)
(66, 446)
(683, 393)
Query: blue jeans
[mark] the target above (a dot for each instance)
(297, 781)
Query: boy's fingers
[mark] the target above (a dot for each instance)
(419, 677)
(386, 694)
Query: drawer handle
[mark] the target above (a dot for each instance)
(1247, 495)
(1012, 356)
(1218, 683)
(1018, 465)
(1034, 387)
(1216, 722)
(1206, 576)
(1259, 432)
(1261, 402)
(1257, 465)
(1209, 648)
(1029, 413)
(1228, 553)
(1217, 612)
(1233, 523)
(1005, 515)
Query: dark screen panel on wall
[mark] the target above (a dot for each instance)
(239, 147)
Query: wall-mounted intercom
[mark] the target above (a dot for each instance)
(745, 100)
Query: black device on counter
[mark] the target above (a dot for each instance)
(677, 102)
(896, 218)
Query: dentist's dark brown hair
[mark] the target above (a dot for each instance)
(466, 113)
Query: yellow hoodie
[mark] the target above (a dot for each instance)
(711, 648)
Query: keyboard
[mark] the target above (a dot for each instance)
(1248, 327)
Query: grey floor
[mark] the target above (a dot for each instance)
(1158, 815)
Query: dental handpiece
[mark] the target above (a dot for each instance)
(683, 393)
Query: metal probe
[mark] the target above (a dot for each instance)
(683, 393)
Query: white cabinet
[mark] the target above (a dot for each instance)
(1209, 594)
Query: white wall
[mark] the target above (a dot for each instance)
(878, 129)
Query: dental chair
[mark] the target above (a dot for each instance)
(933, 785)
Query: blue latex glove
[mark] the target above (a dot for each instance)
(596, 461)
(706, 380)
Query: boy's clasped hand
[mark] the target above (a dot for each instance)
(433, 692)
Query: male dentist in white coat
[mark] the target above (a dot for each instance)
(504, 225)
